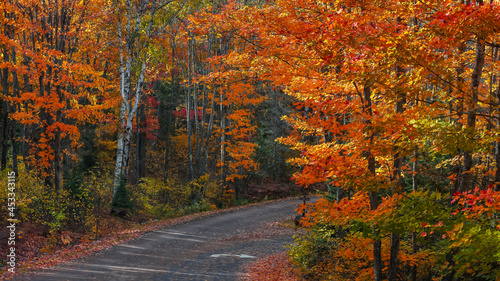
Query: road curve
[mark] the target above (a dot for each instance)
(213, 248)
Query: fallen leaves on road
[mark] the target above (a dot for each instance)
(275, 267)
(282, 227)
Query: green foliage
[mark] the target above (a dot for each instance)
(475, 248)
(38, 203)
(80, 203)
(3, 194)
(76, 207)
(434, 170)
(214, 193)
(418, 212)
(122, 202)
(311, 250)
(170, 96)
(271, 154)
(241, 201)
(199, 207)
(479, 253)
(155, 198)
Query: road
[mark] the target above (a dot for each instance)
(213, 248)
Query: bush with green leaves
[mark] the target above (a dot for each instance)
(158, 199)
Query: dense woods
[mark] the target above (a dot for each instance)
(147, 107)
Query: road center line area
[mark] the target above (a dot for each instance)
(242, 256)
(213, 248)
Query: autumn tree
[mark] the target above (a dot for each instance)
(381, 83)
(56, 83)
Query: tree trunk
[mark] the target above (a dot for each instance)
(413, 271)
(140, 147)
(5, 134)
(167, 150)
(377, 243)
(119, 150)
(202, 155)
(127, 113)
(124, 92)
(275, 159)
(14, 147)
(142, 151)
(204, 131)
(57, 163)
(130, 119)
(399, 182)
(374, 201)
(4, 115)
(15, 93)
(27, 87)
(497, 144)
(128, 56)
(169, 108)
(223, 139)
(471, 114)
(209, 132)
(188, 114)
(125, 68)
(197, 146)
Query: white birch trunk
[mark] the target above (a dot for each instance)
(127, 58)
(127, 114)
(123, 109)
(130, 119)
(119, 152)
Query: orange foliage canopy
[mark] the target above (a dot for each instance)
(57, 71)
(379, 83)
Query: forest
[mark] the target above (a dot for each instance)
(150, 109)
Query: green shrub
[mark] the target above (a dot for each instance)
(121, 203)
(157, 199)
(312, 251)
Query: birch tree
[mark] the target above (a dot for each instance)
(137, 23)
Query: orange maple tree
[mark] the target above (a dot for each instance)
(57, 77)
(385, 91)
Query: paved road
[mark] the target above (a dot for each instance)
(199, 250)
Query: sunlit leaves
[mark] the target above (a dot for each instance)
(60, 81)
(417, 59)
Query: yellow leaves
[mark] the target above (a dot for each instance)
(66, 239)
(456, 230)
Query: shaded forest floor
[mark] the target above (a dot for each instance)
(36, 249)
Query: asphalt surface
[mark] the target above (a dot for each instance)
(213, 248)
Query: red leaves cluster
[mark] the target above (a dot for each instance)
(182, 113)
(475, 203)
